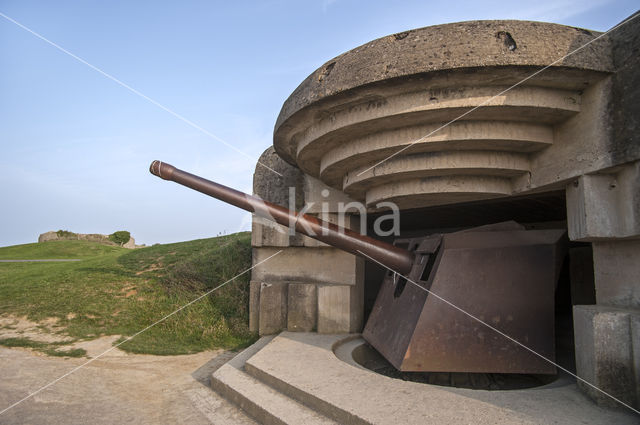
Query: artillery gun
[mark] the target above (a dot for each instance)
(477, 300)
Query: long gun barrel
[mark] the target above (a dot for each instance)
(395, 258)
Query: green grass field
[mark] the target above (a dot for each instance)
(116, 291)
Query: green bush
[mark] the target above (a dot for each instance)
(120, 237)
(65, 234)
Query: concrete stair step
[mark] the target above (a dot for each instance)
(302, 394)
(260, 401)
(216, 409)
(306, 367)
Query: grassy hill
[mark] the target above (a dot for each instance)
(56, 250)
(116, 291)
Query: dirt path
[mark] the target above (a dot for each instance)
(116, 388)
(38, 261)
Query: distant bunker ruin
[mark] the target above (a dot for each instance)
(528, 125)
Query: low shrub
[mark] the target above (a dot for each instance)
(65, 234)
(120, 237)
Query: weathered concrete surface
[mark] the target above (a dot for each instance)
(303, 261)
(304, 265)
(353, 395)
(605, 345)
(286, 297)
(269, 186)
(617, 273)
(322, 199)
(273, 307)
(302, 307)
(276, 189)
(624, 121)
(605, 205)
(398, 91)
(340, 308)
(469, 44)
(580, 143)
(267, 233)
(262, 402)
(116, 389)
(254, 305)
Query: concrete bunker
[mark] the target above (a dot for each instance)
(454, 125)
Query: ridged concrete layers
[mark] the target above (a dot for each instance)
(398, 92)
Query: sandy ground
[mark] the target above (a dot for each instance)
(117, 388)
(21, 327)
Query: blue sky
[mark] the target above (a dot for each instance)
(75, 146)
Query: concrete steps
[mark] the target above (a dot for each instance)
(309, 378)
(262, 402)
(341, 415)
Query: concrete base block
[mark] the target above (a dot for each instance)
(617, 273)
(254, 305)
(302, 307)
(313, 265)
(273, 308)
(266, 233)
(604, 341)
(338, 310)
(605, 205)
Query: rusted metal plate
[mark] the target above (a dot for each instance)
(400, 303)
(504, 278)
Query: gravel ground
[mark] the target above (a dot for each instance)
(115, 388)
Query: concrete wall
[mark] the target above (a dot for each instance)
(603, 207)
(307, 285)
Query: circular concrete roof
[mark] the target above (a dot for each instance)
(372, 101)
